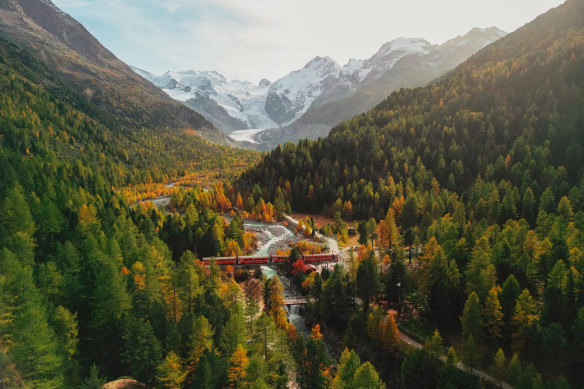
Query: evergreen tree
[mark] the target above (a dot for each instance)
(472, 323)
(367, 281)
(499, 366)
(142, 351)
(94, 380)
(367, 378)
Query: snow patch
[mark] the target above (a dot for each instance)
(246, 135)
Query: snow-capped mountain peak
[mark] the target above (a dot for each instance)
(234, 105)
(384, 59)
(405, 45)
(290, 96)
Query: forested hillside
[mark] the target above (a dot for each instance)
(91, 70)
(41, 116)
(93, 287)
(484, 169)
(87, 279)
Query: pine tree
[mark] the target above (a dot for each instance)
(472, 323)
(142, 351)
(508, 297)
(94, 380)
(233, 333)
(499, 366)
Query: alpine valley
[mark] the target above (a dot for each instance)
(308, 102)
(434, 238)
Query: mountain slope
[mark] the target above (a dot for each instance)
(89, 68)
(41, 116)
(520, 97)
(399, 63)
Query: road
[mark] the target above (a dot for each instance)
(486, 377)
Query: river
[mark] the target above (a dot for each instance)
(271, 237)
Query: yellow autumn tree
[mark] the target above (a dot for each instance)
(315, 334)
(170, 373)
(238, 364)
(389, 333)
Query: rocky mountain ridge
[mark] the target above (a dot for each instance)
(309, 101)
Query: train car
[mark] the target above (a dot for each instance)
(221, 260)
(249, 260)
(279, 258)
(319, 257)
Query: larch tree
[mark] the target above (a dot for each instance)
(434, 345)
(493, 314)
(389, 333)
(170, 373)
(526, 313)
(470, 353)
(201, 339)
(480, 272)
(237, 366)
(348, 364)
(367, 378)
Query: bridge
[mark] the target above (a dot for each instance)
(298, 301)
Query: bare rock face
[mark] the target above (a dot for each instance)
(264, 82)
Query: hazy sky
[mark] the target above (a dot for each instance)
(253, 39)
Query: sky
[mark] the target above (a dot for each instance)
(254, 39)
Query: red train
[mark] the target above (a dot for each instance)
(251, 260)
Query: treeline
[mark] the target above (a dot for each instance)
(483, 169)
